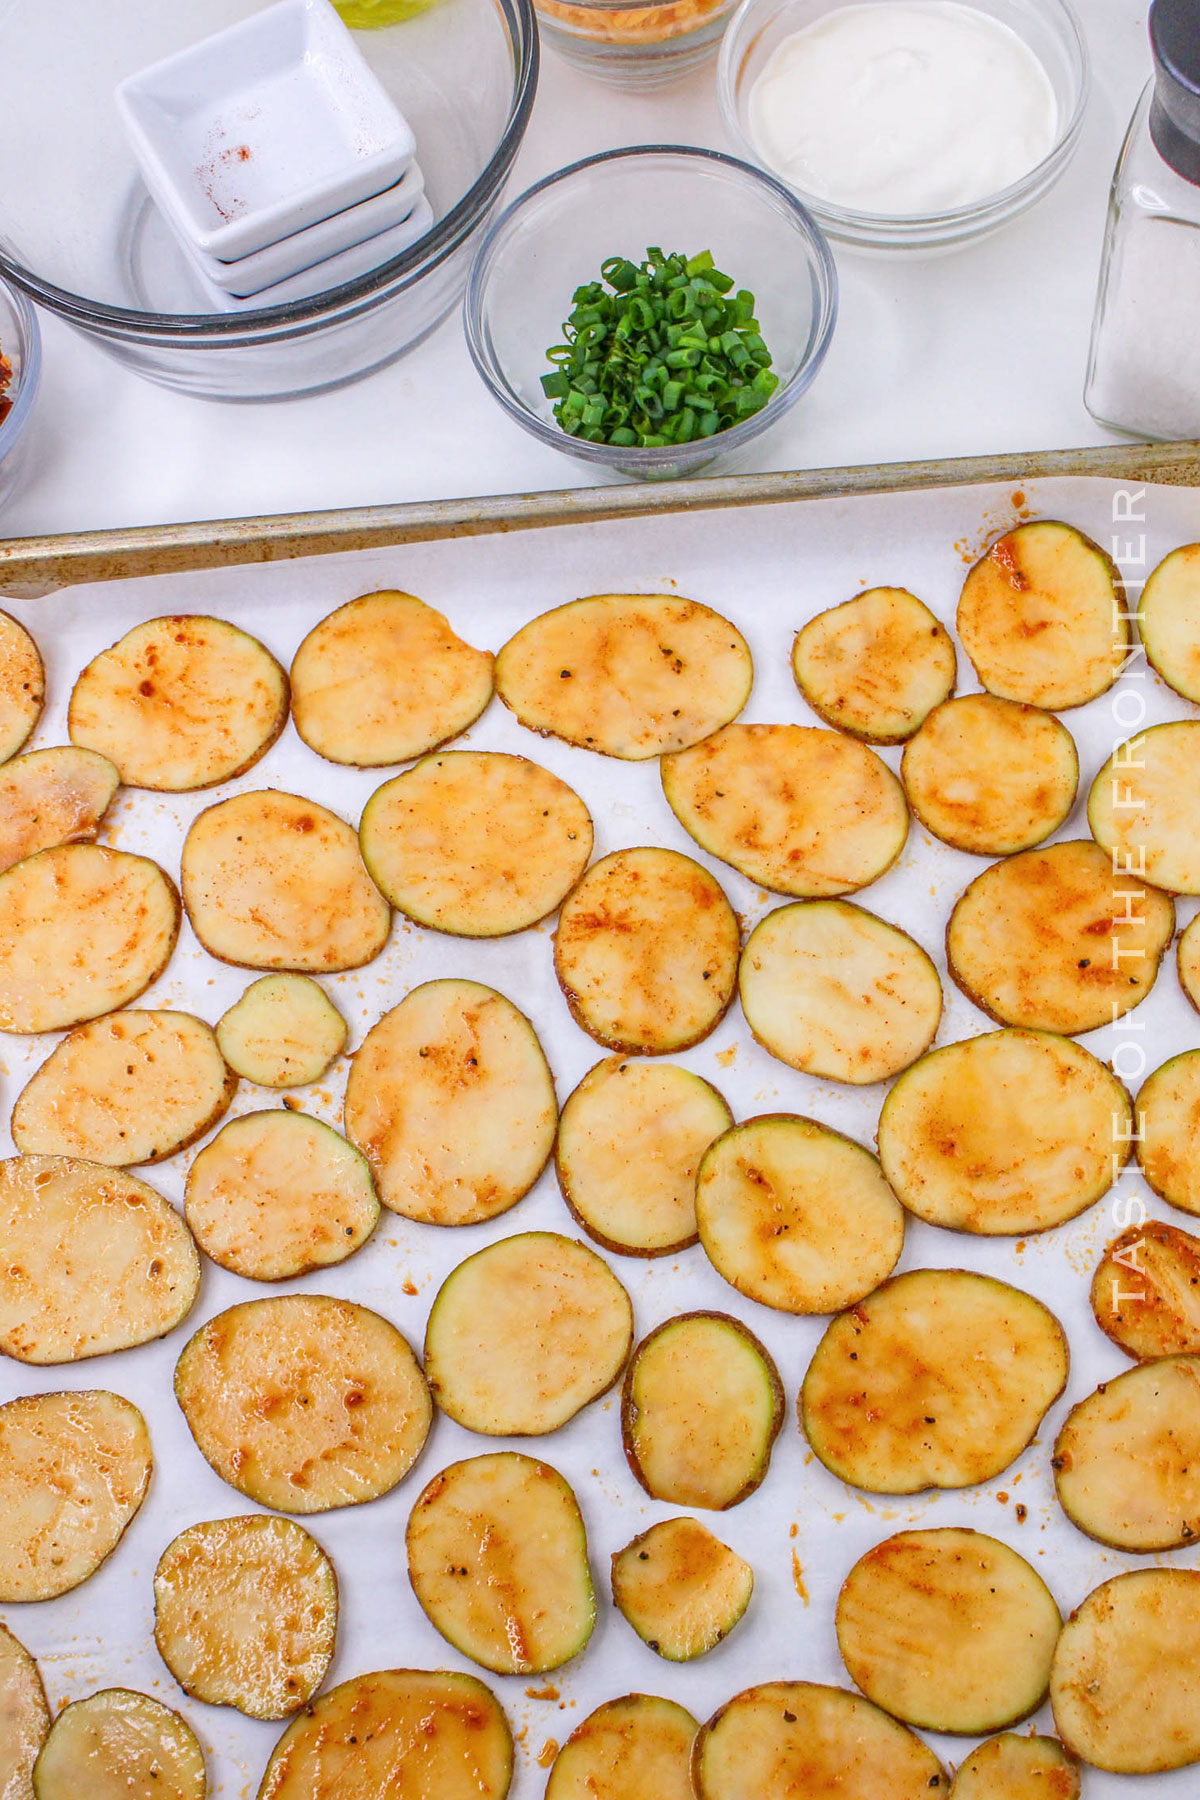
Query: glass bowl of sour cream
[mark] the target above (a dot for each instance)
(907, 124)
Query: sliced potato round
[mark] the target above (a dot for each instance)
(131, 1087)
(948, 1629)
(83, 930)
(990, 776)
(830, 989)
(646, 952)
(1045, 939)
(1010, 1767)
(1144, 808)
(94, 1261)
(1188, 961)
(179, 703)
(939, 1380)
(120, 1745)
(876, 665)
(797, 1216)
(1127, 1460)
(1011, 1132)
(451, 1100)
(1146, 1291)
(303, 1402)
(800, 811)
(383, 679)
(701, 1408)
(74, 1469)
(681, 1588)
(1041, 616)
(22, 686)
(629, 675)
(52, 797)
(284, 1032)
(1168, 1141)
(497, 1556)
(1169, 620)
(626, 1749)
(476, 843)
(24, 1718)
(245, 1614)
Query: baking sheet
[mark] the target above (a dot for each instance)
(769, 568)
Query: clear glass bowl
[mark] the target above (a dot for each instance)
(79, 233)
(21, 344)
(558, 233)
(1050, 29)
(628, 43)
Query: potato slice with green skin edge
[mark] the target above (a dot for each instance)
(1169, 620)
(1146, 1291)
(1168, 1123)
(990, 776)
(1188, 961)
(180, 702)
(74, 1469)
(451, 1100)
(52, 797)
(1018, 1768)
(497, 1557)
(22, 686)
(284, 1032)
(245, 1614)
(303, 1402)
(832, 990)
(681, 1588)
(876, 665)
(409, 1733)
(476, 843)
(131, 1087)
(1007, 1133)
(701, 1408)
(939, 1380)
(1127, 1459)
(625, 1750)
(646, 952)
(120, 1745)
(1144, 808)
(24, 1718)
(384, 679)
(629, 675)
(83, 930)
(799, 810)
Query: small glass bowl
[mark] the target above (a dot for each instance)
(1050, 29)
(628, 43)
(21, 344)
(556, 235)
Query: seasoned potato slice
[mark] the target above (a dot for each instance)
(83, 930)
(74, 1469)
(283, 1032)
(629, 675)
(701, 1408)
(876, 665)
(646, 952)
(1041, 616)
(1169, 620)
(451, 1101)
(1046, 939)
(948, 1629)
(52, 797)
(94, 1261)
(131, 1087)
(1146, 1291)
(1010, 1767)
(304, 1402)
(120, 1745)
(625, 1750)
(1168, 1140)
(24, 1718)
(1011, 1132)
(279, 1193)
(383, 679)
(179, 703)
(22, 687)
(990, 776)
(525, 1333)
(1188, 955)
(476, 843)
(1127, 1460)
(830, 989)
(1144, 808)
(245, 1614)
(797, 1216)
(939, 1380)
(800, 811)
(497, 1556)
(681, 1588)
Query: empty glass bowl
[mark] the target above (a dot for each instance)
(21, 346)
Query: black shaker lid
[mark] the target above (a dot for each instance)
(1175, 110)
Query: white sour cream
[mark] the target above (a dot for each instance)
(903, 106)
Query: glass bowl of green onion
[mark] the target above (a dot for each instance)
(652, 310)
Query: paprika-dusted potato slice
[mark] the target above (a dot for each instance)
(120, 1745)
(94, 1260)
(701, 1408)
(525, 1333)
(876, 665)
(1011, 1132)
(1045, 939)
(1144, 808)
(629, 1144)
(279, 1193)
(629, 675)
(83, 930)
(1169, 620)
(22, 686)
(799, 810)
(74, 1469)
(476, 843)
(797, 1216)
(948, 1629)
(833, 991)
(1168, 1130)
(646, 952)
(939, 1380)
(1188, 961)
(1012, 1767)
(24, 1718)
(283, 1032)
(383, 679)
(451, 1100)
(406, 1733)
(1146, 1291)
(1042, 618)
(303, 1402)
(497, 1556)
(681, 1588)
(625, 1750)
(180, 702)
(990, 776)
(131, 1087)
(1127, 1460)
(52, 797)
(245, 1614)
